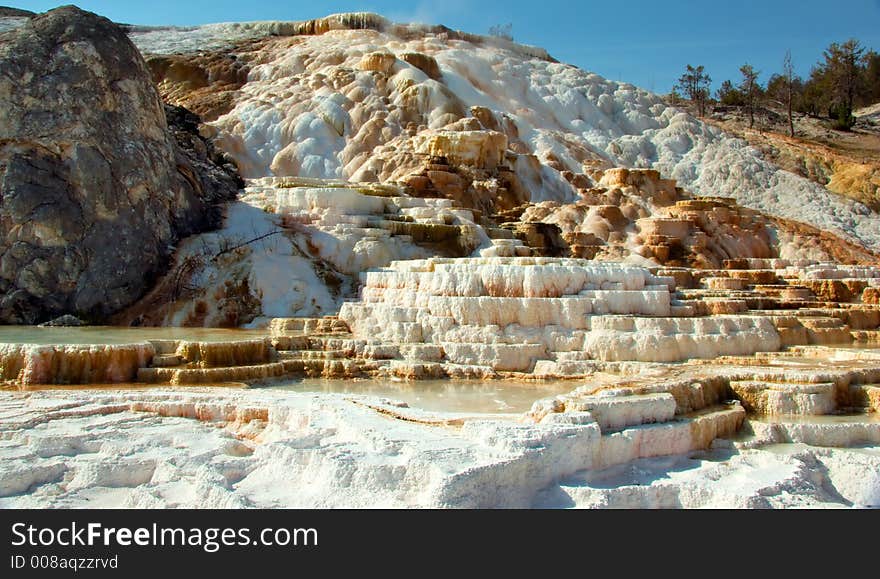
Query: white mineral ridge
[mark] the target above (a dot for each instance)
(785, 476)
(177, 39)
(344, 227)
(210, 448)
(482, 309)
(290, 119)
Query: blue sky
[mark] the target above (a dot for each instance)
(647, 43)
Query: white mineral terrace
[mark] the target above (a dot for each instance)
(667, 404)
(356, 229)
(790, 429)
(509, 313)
(212, 448)
(483, 317)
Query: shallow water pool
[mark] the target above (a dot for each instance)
(441, 395)
(118, 335)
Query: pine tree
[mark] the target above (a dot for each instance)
(728, 95)
(871, 84)
(694, 84)
(842, 70)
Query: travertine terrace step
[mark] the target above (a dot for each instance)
(791, 331)
(212, 354)
(772, 398)
(724, 283)
(428, 352)
(355, 212)
(225, 354)
(329, 352)
(287, 342)
(314, 355)
(719, 306)
(165, 347)
(325, 325)
(166, 360)
(496, 316)
(761, 263)
(182, 376)
(317, 366)
(755, 276)
(505, 357)
(865, 396)
(693, 431)
(72, 364)
(477, 309)
(619, 412)
(682, 310)
(866, 336)
(826, 330)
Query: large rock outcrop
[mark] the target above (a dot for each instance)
(9, 12)
(94, 189)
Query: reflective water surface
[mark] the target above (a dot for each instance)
(119, 335)
(441, 395)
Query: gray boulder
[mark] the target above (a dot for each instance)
(94, 189)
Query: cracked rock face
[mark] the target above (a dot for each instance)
(94, 188)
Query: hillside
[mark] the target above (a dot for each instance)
(504, 131)
(846, 163)
(562, 115)
(364, 141)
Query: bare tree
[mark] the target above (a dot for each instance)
(750, 89)
(694, 84)
(504, 31)
(182, 284)
(230, 244)
(788, 72)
